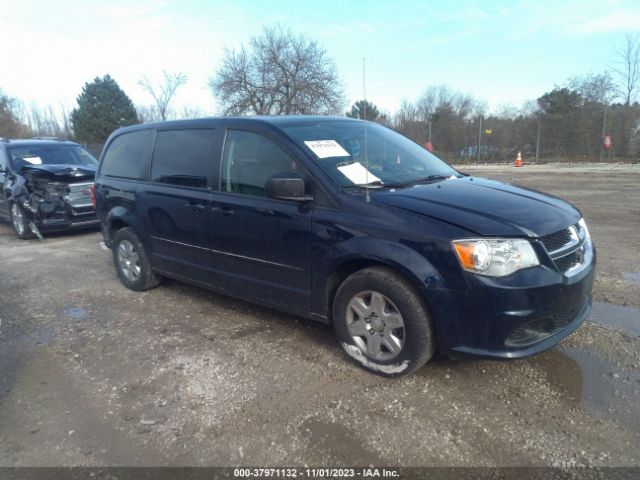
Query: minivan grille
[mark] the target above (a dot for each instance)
(556, 240)
(566, 250)
(570, 260)
(540, 328)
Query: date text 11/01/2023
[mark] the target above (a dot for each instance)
(367, 472)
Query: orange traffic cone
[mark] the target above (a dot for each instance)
(518, 162)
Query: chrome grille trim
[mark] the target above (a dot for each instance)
(568, 249)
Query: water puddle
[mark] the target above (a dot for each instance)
(591, 382)
(618, 316)
(632, 276)
(45, 335)
(339, 443)
(75, 313)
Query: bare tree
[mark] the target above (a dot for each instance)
(147, 113)
(163, 93)
(279, 73)
(46, 122)
(192, 111)
(594, 88)
(628, 69)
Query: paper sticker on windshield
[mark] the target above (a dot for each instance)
(326, 148)
(358, 174)
(33, 160)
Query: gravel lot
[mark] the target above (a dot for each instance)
(94, 374)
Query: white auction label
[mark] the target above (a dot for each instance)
(326, 148)
(358, 174)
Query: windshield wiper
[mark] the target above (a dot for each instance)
(377, 184)
(429, 179)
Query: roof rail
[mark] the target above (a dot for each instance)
(58, 139)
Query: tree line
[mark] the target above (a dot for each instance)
(280, 72)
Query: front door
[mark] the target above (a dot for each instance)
(262, 244)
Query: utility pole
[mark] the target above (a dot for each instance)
(538, 137)
(604, 130)
(479, 138)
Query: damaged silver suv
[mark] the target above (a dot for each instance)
(46, 185)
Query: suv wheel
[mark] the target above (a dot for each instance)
(19, 222)
(132, 263)
(382, 322)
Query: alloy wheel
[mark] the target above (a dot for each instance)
(375, 325)
(129, 260)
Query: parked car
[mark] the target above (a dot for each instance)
(46, 185)
(351, 224)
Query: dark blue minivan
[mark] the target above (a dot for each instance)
(348, 223)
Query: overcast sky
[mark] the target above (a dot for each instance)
(503, 52)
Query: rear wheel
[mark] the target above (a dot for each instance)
(131, 261)
(20, 223)
(382, 323)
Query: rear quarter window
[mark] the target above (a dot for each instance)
(127, 156)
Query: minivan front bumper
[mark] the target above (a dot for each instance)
(523, 315)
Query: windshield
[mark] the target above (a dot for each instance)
(50, 155)
(363, 153)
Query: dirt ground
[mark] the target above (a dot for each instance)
(94, 374)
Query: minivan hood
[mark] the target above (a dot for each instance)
(64, 173)
(485, 207)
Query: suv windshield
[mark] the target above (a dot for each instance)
(50, 155)
(363, 153)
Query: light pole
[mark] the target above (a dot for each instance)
(479, 139)
(604, 129)
(538, 136)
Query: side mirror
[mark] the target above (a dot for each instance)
(285, 186)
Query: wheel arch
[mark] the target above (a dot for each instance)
(117, 219)
(365, 253)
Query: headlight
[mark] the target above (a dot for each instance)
(495, 257)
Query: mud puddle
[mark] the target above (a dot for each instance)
(594, 384)
(617, 316)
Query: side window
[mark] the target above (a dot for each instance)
(249, 160)
(183, 157)
(128, 155)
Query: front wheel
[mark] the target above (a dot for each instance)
(382, 323)
(19, 222)
(131, 261)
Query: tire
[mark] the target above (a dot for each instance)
(382, 322)
(131, 262)
(19, 222)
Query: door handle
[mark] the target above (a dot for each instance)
(224, 211)
(266, 212)
(194, 207)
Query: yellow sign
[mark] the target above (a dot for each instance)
(488, 131)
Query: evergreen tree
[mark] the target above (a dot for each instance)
(102, 108)
(364, 109)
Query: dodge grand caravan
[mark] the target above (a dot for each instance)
(348, 223)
